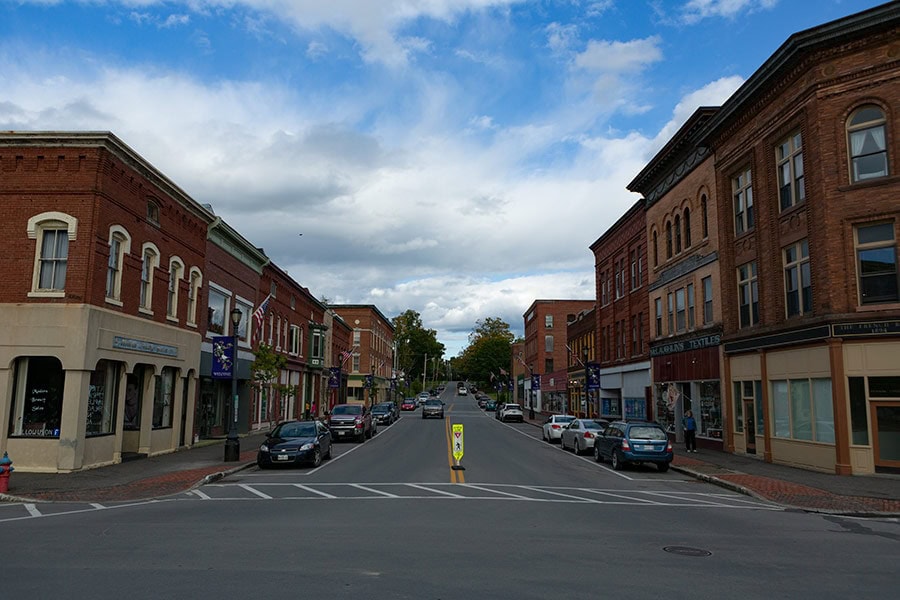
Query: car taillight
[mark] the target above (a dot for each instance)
(358, 422)
(555, 427)
(588, 435)
(669, 447)
(625, 444)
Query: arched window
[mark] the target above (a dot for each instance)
(677, 234)
(119, 246)
(704, 219)
(196, 282)
(176, 274)
(150, 262)
(866, 138)
(655, 249)
(52, 231)
(668, 240)
(687, 227)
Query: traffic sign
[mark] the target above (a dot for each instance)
(457, 442)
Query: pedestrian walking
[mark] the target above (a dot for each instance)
(690, 432)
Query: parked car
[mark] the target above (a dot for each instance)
(490, 406)
(581, 433)
(408, 404)
(482, 402)
(422, 397)
(295, 442)
(511, 412)
(553, 427)
(634, 442)
(352, 421)
(433, 408)
(383, 413)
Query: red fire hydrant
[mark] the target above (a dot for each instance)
(6, 469)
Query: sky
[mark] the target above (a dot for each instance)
(453, 157)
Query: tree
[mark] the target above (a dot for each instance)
(489, 350)
(265, 370)
(415, 345)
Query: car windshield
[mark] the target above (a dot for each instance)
(381, 409)
(295, 430)
(347, 409)
(563, 419)
(513, 407)
(433, 403)
(646, 433)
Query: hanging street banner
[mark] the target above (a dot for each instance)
(536, 382)
(222, 357)
(457, 441)
(334, 377)
(593, 374)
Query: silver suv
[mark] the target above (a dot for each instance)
(433, 408)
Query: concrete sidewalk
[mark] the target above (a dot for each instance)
(161, 476)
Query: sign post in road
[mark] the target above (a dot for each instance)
(457, 442)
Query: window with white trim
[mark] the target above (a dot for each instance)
(52, 231)
(148, 266)
(680, 313)
(789, 161)
(295, 340)
(671, 310)
(548, 321)
(243, 327)
(194, 294)
(707, 300)
(876, 263)
(742, 195)
(119, 246)
(867, 143)
(659, 317)
(176, 274)
(797, 279)
(216, 311)
(690, 306)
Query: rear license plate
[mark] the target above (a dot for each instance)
(282, 457)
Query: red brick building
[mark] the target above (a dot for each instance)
(620, 266)
(102, 305)
(581, 333)
(371, 366)
(807, 170)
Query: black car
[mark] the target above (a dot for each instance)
(295, 442)
(384, 413)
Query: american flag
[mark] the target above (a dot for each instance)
(503, 372)
(260, 312)
(345, 354)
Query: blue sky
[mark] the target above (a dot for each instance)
(456, 157)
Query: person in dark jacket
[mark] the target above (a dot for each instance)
(690, 432)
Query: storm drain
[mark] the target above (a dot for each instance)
(687, 551)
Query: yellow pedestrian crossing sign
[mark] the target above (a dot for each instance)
(457, 441)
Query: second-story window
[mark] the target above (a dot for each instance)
(677, 234)
(742, 194)
(867, 144)
(548, 321)
(876, 263)
(670, 301)
(789, 157)
(707, 300)
(119, 246)
(548, 343)
(318, 345)
(687, 228)
(680, 314)
(150, 262)
(295, 340)
(690, 306)
(176, 271)
(704, 217)
(659, 317)
(216, 310)
(748, 295)
(194, 294)
(797, 279)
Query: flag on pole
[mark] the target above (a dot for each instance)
(260, 312)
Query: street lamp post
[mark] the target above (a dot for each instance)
(232, 443)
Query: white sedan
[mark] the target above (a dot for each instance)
(553, 427)
(580, 434)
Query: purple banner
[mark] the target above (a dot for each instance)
(334, 377)
(222, 357)
(536, 382)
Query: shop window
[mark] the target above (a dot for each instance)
(859, 411)
(216, 312)
(176, 273)
(789, 164)
(876, 264)
(163, 404)
(52, 231)
(134, 397)
(742, 197)
(710, 417)
(119, 246)
(738, 402)
(802, 409)
(797, 279)
(748, 295)
(867, 144)
(37, 397)
(103, 393)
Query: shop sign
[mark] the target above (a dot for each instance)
(124, 343)
(706, 341)
(871, 328)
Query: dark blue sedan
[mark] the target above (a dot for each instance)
(295, 442)
(626, 443)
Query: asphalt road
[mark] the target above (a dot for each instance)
(390, 519)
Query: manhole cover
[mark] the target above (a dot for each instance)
(687, 551)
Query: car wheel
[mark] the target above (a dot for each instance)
(316, 457)
(262, 465)
(663, 467)
(577, 448)
(616, 461)
(597, 456)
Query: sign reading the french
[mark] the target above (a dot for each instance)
(457, 441)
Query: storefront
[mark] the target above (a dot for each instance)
(623, 391)
(686, 377)
(69, 406)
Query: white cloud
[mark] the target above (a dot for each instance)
(619, 57)
(697, 10)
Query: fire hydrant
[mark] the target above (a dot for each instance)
(6, 469)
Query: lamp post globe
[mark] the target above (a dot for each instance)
(232, 443)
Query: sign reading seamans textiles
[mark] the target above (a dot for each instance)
(222, 357)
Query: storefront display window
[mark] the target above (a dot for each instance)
(102, 393)
(162, 402)
(612, 407)
(37, 397)
(710, 422)
(635, 408)
(859, 412)
(803, 409)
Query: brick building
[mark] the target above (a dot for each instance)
(101, 307)
(581, 335)
(372, 362)
(806, 159)
(620, 267)
(544, 351)
(683, 282)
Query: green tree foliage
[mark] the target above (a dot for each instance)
(265, 369)
(415, 343)
(488, 351)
